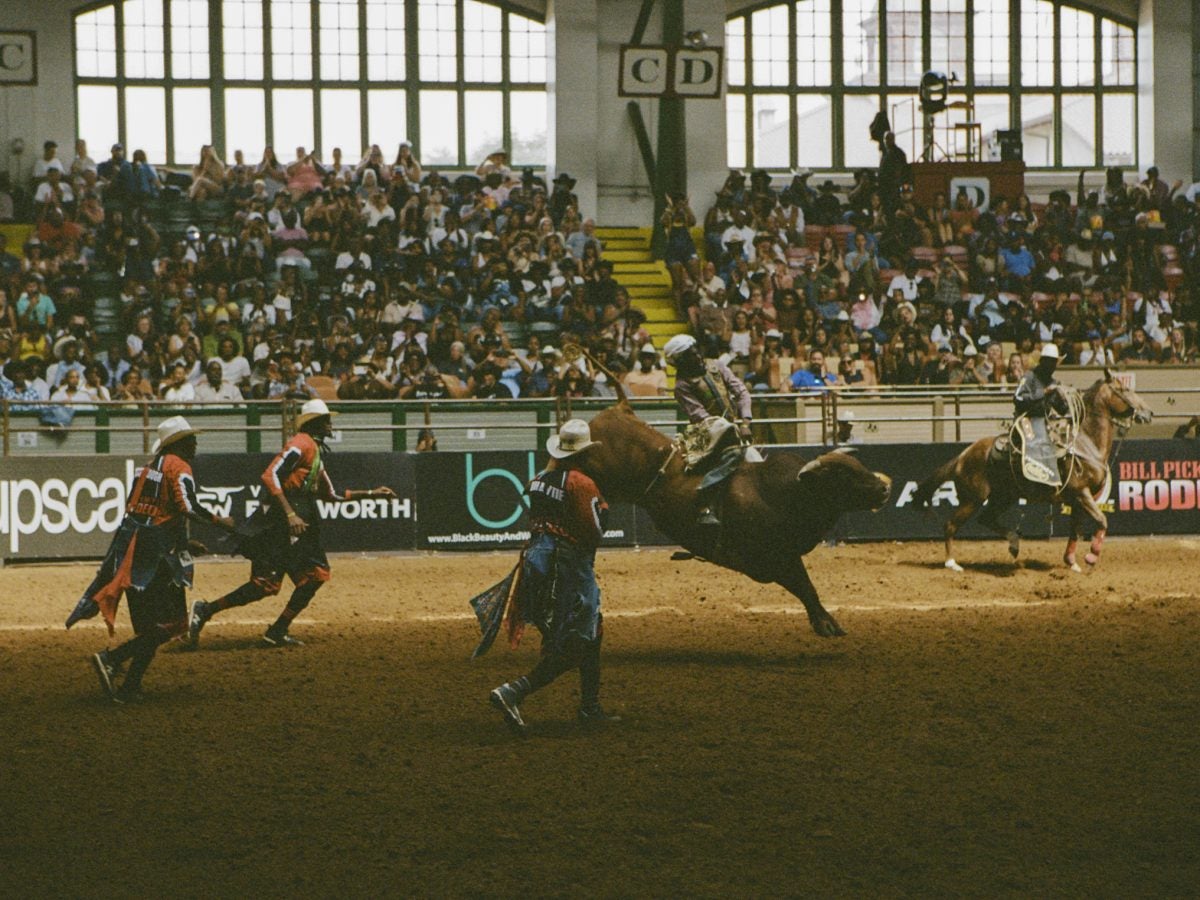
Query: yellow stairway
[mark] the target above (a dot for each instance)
(646, 279)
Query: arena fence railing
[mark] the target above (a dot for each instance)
(875, 415)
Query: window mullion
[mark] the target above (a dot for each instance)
(460, 71)
(216, 72)
(412, 74)
(268, 44)
(168, 76)
(748, 80)
(364, 78)
(793, 67)
(315, 23)
(837, 75)
(505, 90)
(1014, 63)
(1056, 89)
(119, 19)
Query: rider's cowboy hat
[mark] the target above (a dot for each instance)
(171, 430)
(574, 437)
(312, 409)
(677, 345)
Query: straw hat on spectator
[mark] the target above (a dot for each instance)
(171, 430)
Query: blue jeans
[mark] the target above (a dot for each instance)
(559, 593)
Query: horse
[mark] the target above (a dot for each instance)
(772, 512)
(982, 479)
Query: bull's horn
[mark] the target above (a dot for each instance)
(809, 466)
(886, 479)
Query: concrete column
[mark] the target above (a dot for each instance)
(1165, 115)
(571, 76)
(706, 134)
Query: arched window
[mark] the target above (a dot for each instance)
(459, 79)
(806, 79)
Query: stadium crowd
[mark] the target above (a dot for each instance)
(801, 287)
(369, 280)
(381, 279)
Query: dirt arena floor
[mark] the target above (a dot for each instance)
(1011, 732)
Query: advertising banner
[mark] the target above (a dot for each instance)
(68, 507)
(903, 519)
(476, 501)
(1154, 489)
(230, 485)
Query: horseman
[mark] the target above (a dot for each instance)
(1037, 394)
(711, 396)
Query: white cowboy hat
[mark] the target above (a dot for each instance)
(60, 346)
(677, 345)
(312, 409)
(171, 430)
(572, 438)
(1049, 351)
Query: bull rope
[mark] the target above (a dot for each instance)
(662, 470)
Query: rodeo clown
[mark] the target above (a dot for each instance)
(554, 585)
(707, 390)
(148, 561)
(286, 534)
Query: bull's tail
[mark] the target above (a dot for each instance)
(925, 490)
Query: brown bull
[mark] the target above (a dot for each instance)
(772, 512)
(984, 481)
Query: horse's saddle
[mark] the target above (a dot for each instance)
(710, 447)
(1037, 454)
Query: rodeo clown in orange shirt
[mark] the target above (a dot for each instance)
(148, 561)
(287, 540)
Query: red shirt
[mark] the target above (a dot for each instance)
(290, 471)
(164, 490)
(567, 503)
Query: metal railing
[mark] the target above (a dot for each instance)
(881, 414)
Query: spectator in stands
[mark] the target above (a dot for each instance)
(72, 391)
(146, 181)
(34, 306)
(17, 389)
(49, 160)
(813, 377)
(115, 177)
(648, 378)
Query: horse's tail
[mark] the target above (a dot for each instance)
(924, 493)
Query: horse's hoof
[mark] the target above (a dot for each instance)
(1091, 559)
(827, 627)
(953, 566)
(1075, 567)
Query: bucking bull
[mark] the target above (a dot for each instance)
(772, 512)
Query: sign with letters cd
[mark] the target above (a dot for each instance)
(671, 72)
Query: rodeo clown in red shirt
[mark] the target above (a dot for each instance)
(288, 539)
(554, 586)
(148, 561)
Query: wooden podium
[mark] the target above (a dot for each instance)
(1003, 179)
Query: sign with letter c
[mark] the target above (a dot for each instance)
(18, 57)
